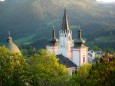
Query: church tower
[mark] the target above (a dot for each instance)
(65, 38)
(79, 51)
(53, 43)
(65, 46)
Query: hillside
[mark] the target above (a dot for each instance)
(32, 20)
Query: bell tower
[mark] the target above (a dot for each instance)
(79, 51)
(65, 38)
(53, 43)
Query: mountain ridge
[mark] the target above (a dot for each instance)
(34, 19)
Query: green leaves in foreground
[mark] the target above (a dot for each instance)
(12, 68)
(99, 74)
(45, 70)
(41, 69)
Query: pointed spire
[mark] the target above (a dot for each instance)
(54, 40)
(79, 42)
(53, 32)
(79, 33)
(65, 24)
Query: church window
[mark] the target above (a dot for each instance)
(83, 58)
(61, 46)
(69, 37)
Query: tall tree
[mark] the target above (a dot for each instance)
(44, 70)
(80, 77)
(12, 68)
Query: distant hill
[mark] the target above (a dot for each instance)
(31, 20)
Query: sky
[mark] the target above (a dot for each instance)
(96, 0)
(2, 0)
(106, 0)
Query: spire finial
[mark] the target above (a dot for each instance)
(53, 32)
(9, 33)
(79, 32)
(9, 39)
(79, 27)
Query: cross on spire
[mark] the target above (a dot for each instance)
(53, 32)
(79, 32)
(9, 33)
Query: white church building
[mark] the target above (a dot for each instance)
(73, 50)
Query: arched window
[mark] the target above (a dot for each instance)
(83, 58)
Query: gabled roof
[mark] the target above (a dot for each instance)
(65, 61)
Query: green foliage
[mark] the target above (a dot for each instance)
(40, 15)
(95, 48)
(80, 78)
(111, 51)
(41, 69)
(12, 68)
(99, 74)
(102, 73)
(44, 69)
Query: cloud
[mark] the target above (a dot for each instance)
(2, 0)
(106, 1)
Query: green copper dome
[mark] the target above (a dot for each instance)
(79, 42)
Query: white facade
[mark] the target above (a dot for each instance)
(52, 49)
(65, 43)
(80, 56)
(78, 53)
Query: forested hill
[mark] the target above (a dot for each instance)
(31, 20)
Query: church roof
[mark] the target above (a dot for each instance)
(65, 61)
(12, 46)
(65, 24)
(79, 40)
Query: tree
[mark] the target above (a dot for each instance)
(80, 77)
(102, 73)
(44, 70)
(95, 48)
(12, 68)
(109, 50)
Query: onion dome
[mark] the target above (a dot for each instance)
(79, 42)
(53, 41)
(12, 46)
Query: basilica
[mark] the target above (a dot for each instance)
(71, 53)
(65, 47)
